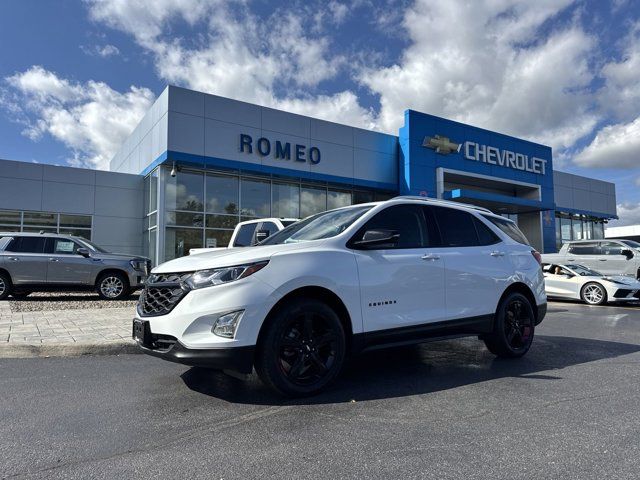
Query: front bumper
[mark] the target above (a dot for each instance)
(239, 359)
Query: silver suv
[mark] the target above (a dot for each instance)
(608, 256)
(44, 261)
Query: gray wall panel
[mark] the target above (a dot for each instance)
(119, 202)
(67, 197)
(186, 134)
(20, 194)
(285, 122)
(112, 179)
(331, 132)
(27, 171)
(186, 101)
(232, 111)
(117, 231)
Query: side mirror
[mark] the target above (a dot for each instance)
(373, 239)
(261, 235)
(84, 252)
(627, 253)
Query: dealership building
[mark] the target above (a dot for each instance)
(198, 164)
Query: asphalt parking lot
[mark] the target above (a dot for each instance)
(569, 409)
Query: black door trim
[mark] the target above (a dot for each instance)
(481, 324)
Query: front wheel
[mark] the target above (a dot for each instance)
(113, 286)
(593, 294)
(514, 327)
(302, 350)
(5, 286)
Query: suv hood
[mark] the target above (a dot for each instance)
(228, 257)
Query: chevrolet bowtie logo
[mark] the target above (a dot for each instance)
(441, 145)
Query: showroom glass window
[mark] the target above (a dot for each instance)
(338, 198)
(312, 200)
(285, 200)
(185, 191)
(255, 198)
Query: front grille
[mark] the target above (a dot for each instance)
(161, 293)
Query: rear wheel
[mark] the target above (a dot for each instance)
(514, 327)
(5, 286)
(594, 294)
(113, 286)
(302, 350)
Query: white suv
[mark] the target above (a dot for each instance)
(407, 270)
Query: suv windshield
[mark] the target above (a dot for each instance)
(91, 245)
(631, 244)
(323, 225)
(584, 271)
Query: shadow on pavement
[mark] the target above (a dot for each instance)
(418, 370)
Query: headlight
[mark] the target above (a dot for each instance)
(217, 276)
(138, 265)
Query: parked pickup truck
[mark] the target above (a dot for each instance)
(251, 232)
(609, 257)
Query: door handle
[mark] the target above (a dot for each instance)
(54, 260)
(430, 256)
(497, 254)
(602, 259)
(14, 259)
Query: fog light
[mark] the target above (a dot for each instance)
(226, 324)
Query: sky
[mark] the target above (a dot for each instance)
(77, 76)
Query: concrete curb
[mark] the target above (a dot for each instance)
(26, 350)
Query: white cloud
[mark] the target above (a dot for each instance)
(628, 214)
(638, 181)
(615, 146)
(103, 51)
(274, 62)
(620, 95)
(90, 118)
(339, 11)
(494, 71)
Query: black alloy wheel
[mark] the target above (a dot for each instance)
(514, 327)
(302, 350)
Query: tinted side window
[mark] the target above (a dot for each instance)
(270, 227)
(456, 227)
(510, 228)
(584, 249)
(407, 220)
(245, 235)
(28, 245)
(485, 235)
(611, 248)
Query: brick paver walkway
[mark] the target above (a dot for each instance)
(95, 326)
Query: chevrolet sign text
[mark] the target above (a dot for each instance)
(504, 158)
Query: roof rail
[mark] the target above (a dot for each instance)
(443, 202)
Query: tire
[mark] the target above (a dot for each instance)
(593, 293)
(5, 286)
(20, 295)
(302, 349)
(514, 327)
(112, 286)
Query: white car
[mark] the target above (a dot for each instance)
(250, 233)
(407, 270)
(581, 283)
